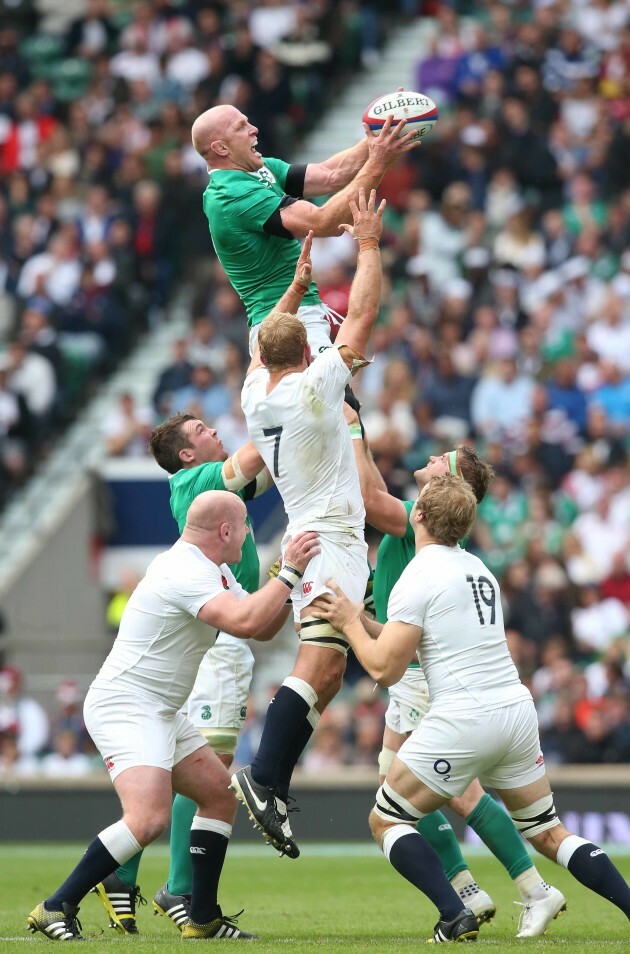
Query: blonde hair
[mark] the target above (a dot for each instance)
(449, 507)
(281, 340)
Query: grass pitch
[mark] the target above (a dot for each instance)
(333, 898)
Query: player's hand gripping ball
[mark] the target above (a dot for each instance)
(419, 112)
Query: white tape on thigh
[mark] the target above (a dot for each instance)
(392, 807)
(538, 817)
(319, 632)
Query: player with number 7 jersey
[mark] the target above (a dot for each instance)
(294, 412)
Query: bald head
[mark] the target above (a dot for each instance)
(225, 139)
(211, 509)
(216, 523)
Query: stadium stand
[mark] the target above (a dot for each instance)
(506, 313)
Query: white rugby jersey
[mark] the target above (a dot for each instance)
(161, 643)
(464, 654)
(301, 434)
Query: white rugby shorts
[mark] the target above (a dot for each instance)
(500, 747)
(219, 696)
(342, 558)
(317, 319)
(408, 702)
(130, 731)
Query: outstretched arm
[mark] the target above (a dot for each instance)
(383, 149)
(382, 511)
(334, 174)
(385, 657)
(292, 298)
(365, 294)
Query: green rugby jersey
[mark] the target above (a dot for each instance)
(260, 266)
(187, 484)
(394, 555)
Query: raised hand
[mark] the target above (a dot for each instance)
(304, 267)
(391, 141)
(367, 220)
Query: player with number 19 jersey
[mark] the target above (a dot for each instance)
(455, 599)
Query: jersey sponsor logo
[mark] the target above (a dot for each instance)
(225, 583)
(109, 762)
(306, 588)
(206, 712)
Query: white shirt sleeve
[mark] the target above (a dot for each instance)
(194, 586)
(328, 375)
(409, 599)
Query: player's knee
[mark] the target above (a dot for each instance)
(149, 825)
(377, 827)
(536, 819)
(547, 842)
(329, 677)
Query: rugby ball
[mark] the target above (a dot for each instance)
(418, 110)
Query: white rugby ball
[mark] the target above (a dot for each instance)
(420, 112)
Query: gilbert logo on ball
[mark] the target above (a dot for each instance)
(420, 112)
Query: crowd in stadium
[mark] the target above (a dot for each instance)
(506, 310)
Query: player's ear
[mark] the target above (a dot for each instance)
(219, 147)
(186, 455)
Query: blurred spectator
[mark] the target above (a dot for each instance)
(502, 402)
(174, 377)
(65, 761)
(205, 397)
(20, 715)
(12, 764)
(597, 622)
(127, 428)
(68, 716)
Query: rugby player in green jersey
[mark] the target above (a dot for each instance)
(409, 700)
(257, 208)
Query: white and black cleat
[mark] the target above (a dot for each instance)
(267, 812)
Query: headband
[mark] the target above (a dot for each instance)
(452, 462)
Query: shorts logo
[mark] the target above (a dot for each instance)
(206, 712)
(414, 714)
(243, 711)
(225, 583)
(109, 763)
(540, 759)
(443, 768)
(306, 588)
